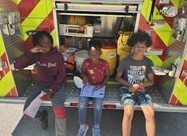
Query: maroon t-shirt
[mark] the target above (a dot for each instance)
(95, 72)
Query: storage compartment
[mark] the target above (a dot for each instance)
(77, 23)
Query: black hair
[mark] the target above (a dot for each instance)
(39, 35)
(140, 37)
(96, 44)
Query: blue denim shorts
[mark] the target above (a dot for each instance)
(128, 98)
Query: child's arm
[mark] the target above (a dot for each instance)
(149, 82)
(107, 76)
(24, 60)
(119, 79)
(141, 86)
(84, 76)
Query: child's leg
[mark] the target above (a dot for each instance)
(36, 90)
(60, 112)
(128, 100)
(82, 109)
(97, 111)
(127, 118)
(149, 119)
(146, 106)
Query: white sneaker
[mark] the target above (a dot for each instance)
(83, 131)
(96, 131)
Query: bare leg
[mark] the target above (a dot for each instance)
(127, 118)
(149, 120)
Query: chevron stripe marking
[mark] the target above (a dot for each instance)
(12, 93)
(180, 92)
(178, 102)
(17, 1)
(7, 86)
(53, 33)
(46, 24)
(25, 7)
(173, 100)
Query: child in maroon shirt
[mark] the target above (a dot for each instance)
(51, 75)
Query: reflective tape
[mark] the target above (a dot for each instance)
(180, 92)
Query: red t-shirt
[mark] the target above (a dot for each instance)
(95, 72)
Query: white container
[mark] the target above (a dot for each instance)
(80, 56)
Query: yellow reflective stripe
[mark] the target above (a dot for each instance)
(2, 50)
(37, 12)
(180, 91)
(172, 40)
(175, 3)
(17, 1)
(6, 83)
(156, 15)
(164, 36)
(29, 24)
(156, 60)
(146, 8)
(53, 34)
(49, 6)
(165, 27)
(40, 10)
(182, 3)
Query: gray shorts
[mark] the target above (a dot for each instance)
(129, 98)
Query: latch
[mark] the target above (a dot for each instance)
(172, 71)
(162, 71)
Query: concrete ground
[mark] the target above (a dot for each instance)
(12, 122)
(10, 115)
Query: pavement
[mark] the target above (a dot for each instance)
(13, 124)
(10, 115)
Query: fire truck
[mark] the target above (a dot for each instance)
(73, 23)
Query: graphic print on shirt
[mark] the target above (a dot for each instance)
(49, 64)
(95, 72)
(91, 71)
(136, 74)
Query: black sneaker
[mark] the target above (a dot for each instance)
(44, 120)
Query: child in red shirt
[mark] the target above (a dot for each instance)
(95, 71)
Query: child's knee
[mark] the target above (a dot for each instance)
(98, 106)
(82, 105)
(150, 115)
(128, 113)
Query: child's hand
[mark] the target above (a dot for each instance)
(85, 80)
(38, 49)
(141, 89)
(133, 88)
(46, 96)
(97, 87)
